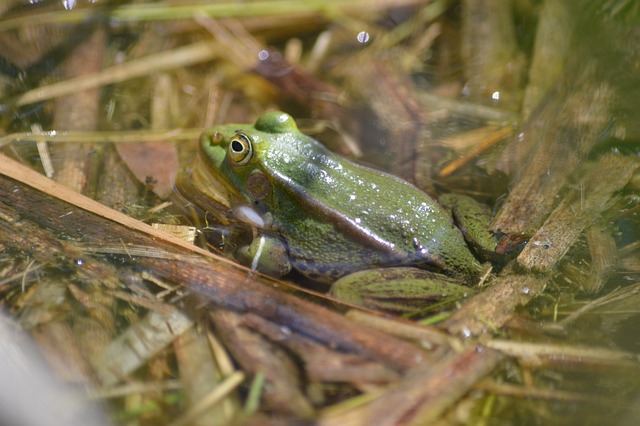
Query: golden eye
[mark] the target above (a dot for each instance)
(240, 149)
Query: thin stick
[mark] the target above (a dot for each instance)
(229, 9)
(488, 141)
(136, 136)
(176, 58)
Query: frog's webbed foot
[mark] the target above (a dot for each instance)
(266, 254)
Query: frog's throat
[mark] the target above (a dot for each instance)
(343, 224)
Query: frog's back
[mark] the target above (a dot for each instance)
(359, 218)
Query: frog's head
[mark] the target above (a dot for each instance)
(235, 153)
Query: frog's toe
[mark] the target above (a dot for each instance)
(266, 255)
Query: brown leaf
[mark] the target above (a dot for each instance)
(152, 163)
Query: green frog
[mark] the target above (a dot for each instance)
(324, 215)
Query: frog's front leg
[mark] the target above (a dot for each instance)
(398, 290)
(267, 254)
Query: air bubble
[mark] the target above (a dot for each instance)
(363, 37)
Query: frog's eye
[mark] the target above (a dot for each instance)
(240, 149)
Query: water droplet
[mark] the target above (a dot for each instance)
(285, 330)
(544, 244)
(363, 37)
(263, 55)
(466, 91)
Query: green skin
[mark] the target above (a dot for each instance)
(333, 216)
